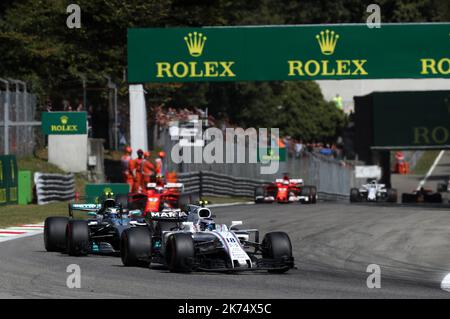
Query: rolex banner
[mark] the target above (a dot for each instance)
(64, 123)
(264, 53)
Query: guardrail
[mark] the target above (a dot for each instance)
(207, 183)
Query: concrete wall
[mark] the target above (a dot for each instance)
(68, 152)
(347, 89)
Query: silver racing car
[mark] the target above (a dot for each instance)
(191, 240)
(373, 192)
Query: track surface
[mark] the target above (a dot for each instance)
(333, 245)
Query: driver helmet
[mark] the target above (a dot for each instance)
(207, 224)
(140, 153)
(109, 203)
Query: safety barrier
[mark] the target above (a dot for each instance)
(207, 183)
(54, 187)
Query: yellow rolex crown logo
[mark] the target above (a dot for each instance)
(64, 119)
(327, 41)
(195, 43)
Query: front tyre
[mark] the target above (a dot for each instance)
(136, 247)
(277, 245)
(77, 238)
(391, 195)
(180, 252)
(55, 233)
(354, 195)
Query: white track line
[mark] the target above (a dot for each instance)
(430, 171)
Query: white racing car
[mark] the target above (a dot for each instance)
(188, 241)
(373, 192)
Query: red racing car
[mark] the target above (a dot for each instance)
(158, 196)
(286, 190)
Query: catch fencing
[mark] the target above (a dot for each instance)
(333, 178)
(18, 128)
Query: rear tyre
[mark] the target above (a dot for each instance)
(392, 195)
(277, 245)
(180, 252)
(77, 238)
(313, 195)
(259, 195)
(354, 195)
(55, 233)
(136, 247)
(310, 192)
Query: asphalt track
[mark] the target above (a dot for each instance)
(333, 245)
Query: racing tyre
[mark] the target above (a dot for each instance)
(77, 238)
(310, 192)
(136, 247)
(354, 195)
(55, 233)
(180, 252)
(259, 192)
(277, 245)
(392, 195)
(313, 195)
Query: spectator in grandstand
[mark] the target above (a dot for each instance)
(298, 148)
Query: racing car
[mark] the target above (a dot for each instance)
(422, 196)
(192, 241)
(444, 187)
(157, 196)
(99, 233)
(286, 190)
(373, 192)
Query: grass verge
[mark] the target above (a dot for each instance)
(14, 215)
(425, 162)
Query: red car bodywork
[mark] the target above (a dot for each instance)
(156, 197)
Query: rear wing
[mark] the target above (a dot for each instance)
(83, 208)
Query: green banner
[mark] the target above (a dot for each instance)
(266, 155)
(8, 180)
(411, 119)
(265, 53)
(94, 191)
(63, 123)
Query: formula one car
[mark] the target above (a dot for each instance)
(286, 190)
(373, 192)
(157, 196)
(444, 187)
(192, 241)
(100, 233)
(422, 196)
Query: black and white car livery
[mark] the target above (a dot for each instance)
(191, 240)
(373, 192)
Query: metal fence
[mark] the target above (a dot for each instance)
(332, 178)
(18, 127)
